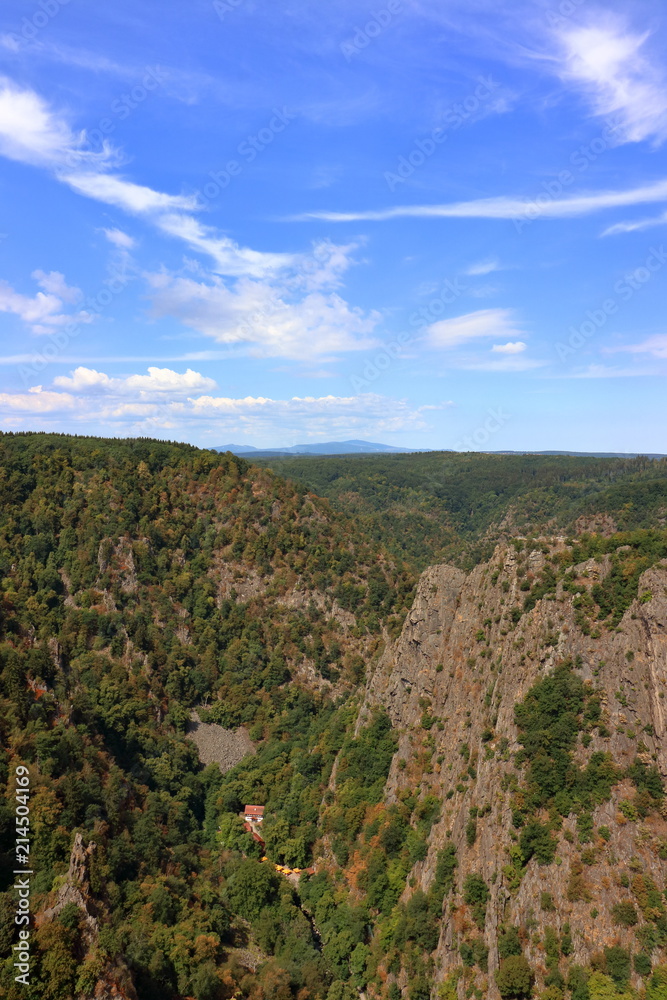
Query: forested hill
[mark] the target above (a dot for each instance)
(470, 769)
(140, 579)
(443, 506)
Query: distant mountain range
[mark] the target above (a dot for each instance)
(322, 448)
(372, 448)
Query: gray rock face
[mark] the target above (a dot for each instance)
(461, 659)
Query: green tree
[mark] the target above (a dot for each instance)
(514, 978)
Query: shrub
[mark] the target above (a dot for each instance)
(642, 963)
(476, 896)
(624, 913)
(536, 840)
(508, 942)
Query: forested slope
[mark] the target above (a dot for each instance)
(443, 506)
(476, 775)
(122, 566)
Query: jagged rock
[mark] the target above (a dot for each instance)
(471, 687)
(76, 889)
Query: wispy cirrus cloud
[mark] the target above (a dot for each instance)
(636, 226)
(482, 324)
(503, 207)
(655, 345)
(276, 304)
(31, 132)
(613, 68)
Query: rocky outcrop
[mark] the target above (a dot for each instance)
(114, 981)
(450, 684)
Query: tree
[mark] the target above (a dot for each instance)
(515, 977)
(251, 887)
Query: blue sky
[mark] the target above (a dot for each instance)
(432, 224)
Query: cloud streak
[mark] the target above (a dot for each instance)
(503, 207)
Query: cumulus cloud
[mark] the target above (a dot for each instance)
(36, 401)
(158, 380)
(54, 283)
(496, 323)
(164, 400)
(266, 317)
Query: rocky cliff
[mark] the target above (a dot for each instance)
(467, 655)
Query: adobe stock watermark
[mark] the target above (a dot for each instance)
(249, 149)
(23, 872)
(563, 11)
(455, 116)
(225, 7)
(494, 421)
(580, 159)
(60, 340)
(32, 24)
(449, 292)
(119, 109)
(624, 289)
(378, 22)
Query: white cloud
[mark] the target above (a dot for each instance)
(483, 267)
(135, 198)
(655, 345)
(119, 239)
(513, 347)
(36, 401)
(506, 207)
(158, 380)
(230, 258)
(54, 283)
(611, 65)
(265, 316)
(43, 312)
(31, 132)
(280, 304)
(510, 363)
(131, 405)
(497, 323)
(635, 227)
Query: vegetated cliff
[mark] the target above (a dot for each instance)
(555, 805)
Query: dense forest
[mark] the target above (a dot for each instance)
(140, 580)
(443, 506)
